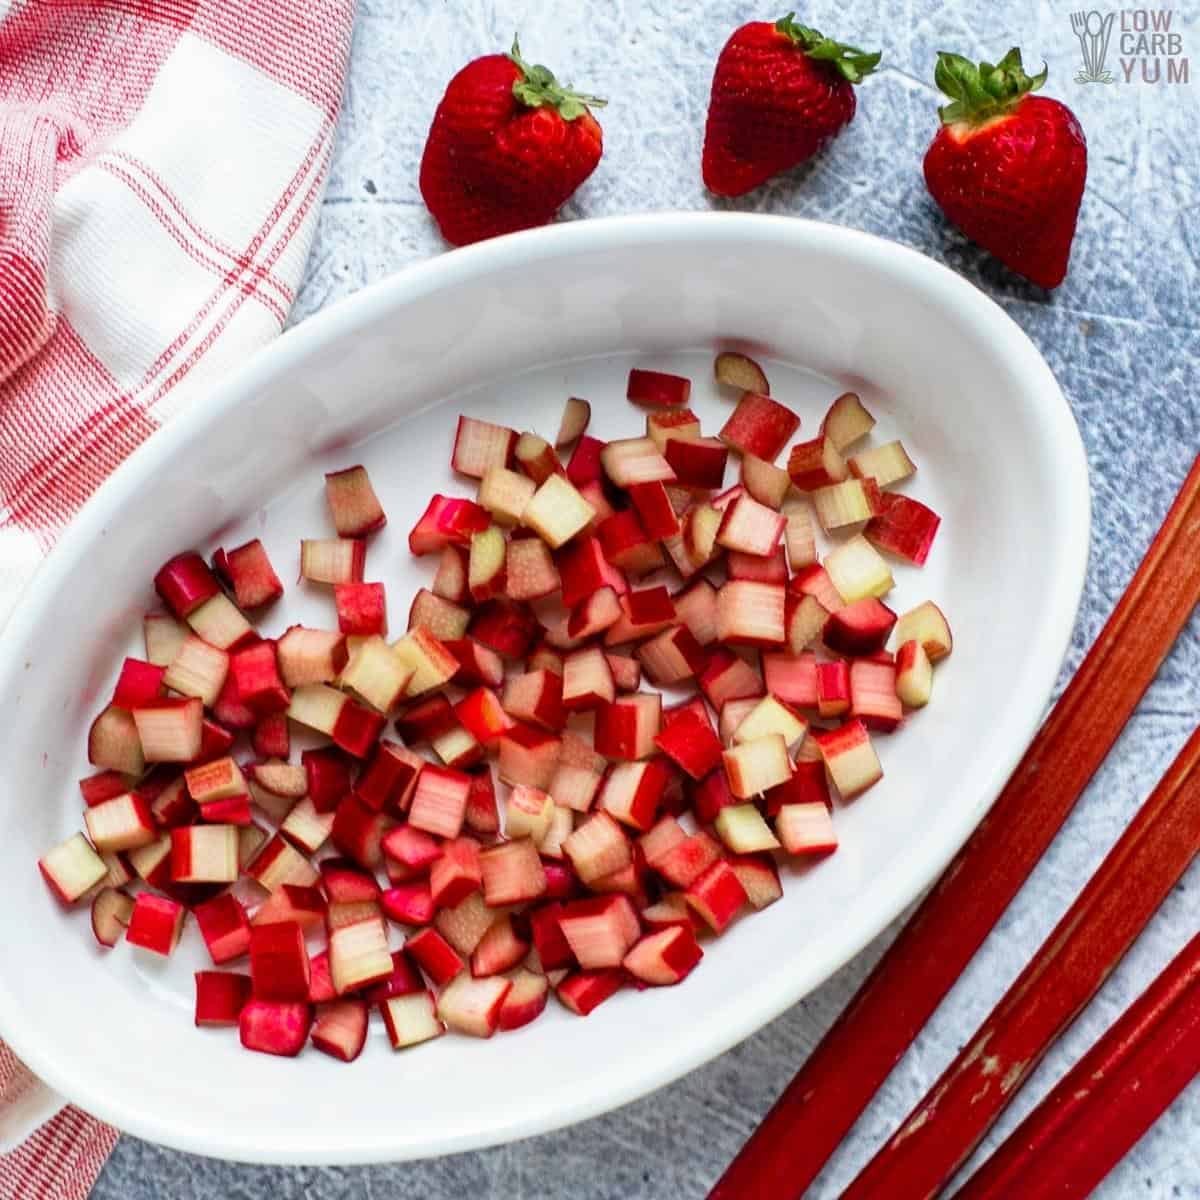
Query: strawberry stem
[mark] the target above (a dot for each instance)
(981, 92)
(851, 63)
(537, 87)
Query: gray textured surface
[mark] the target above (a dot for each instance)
(1123, 336)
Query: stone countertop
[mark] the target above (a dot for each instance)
(1123, 337)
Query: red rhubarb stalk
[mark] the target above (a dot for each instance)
(846, 1069)
(939, 1134)
(1100, 1108)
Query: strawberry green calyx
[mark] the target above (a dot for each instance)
(537, 87)
(979, 93)
(852, 63)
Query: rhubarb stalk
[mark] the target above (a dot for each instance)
(826, 1097)
(1112, 1095)
(939, 1134)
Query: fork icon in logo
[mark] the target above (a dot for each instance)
(1093, 32)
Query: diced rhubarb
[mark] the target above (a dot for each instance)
(759, 878)
(163, 635)
(221, 623)
(185, 582)
(530, 572)
(765, 482)
(220, 997)
(841, 504)
(512, 873)
(914, 675)
(481, 815)
(310, 656)
(847, 421)
(750, 613)
(903, 527)
(850, 758)
(860, 628)
(728, 677)
(587, 681)
(657, 389)
(584, 569)
(926, 624)
(584, 466)
(305, 906)
(672, 656)
(464, 925)
(833, 688)
(528, 756)
(168, 731)
(740, 372)
(595, 613)
(600, 930)
(273, 1028)
(626, 728)
(72, 868)
(456, 872)
(445, 522)
(664, 424)
(409, 903)
(278, 863)
(627, 544)
(717, 895)
(340, 1029)
(597, 848)
(536, 698)
(479, 446)
(224, 927)
(644, 612)
(816, 464)
(249, 572)
(355, 508)
(886, 464)
(439, 801)
(434, 955)
(697, 463)
(806, 828)
(358, 954)
(754, 767)
(664, 958)
(506, 628)
(632, 792)
(770, 716)
(411, 1019)
(760, 426)
(432, 665)
(792, 678)
(536, 457)
(139, 683)
(635, 460)
(105, 785)
(585, 990)
(156, 923)
(472, 1006)
(203, 853)
(576, 415)
(873, 698)
(557, 512)
(332, 560)
(750, 527)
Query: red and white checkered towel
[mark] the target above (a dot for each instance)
(161, 168)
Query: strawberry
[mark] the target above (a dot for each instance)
(1008, 167)
(780, 93)
(507, 148)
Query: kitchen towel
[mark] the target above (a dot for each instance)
(162, 164)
